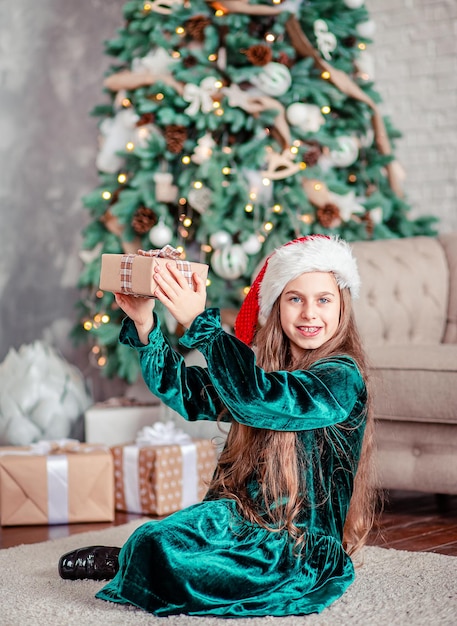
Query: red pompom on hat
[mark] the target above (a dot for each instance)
(315, 253)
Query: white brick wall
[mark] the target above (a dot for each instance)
(415, 55)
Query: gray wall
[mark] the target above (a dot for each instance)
(51, 70)
(415, 54)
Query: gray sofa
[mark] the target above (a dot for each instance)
(407, 315)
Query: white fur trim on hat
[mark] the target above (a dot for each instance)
(313, 254)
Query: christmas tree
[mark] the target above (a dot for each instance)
(231, 127)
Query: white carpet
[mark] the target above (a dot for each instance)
(392, 588)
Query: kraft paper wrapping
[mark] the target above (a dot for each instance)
(62, 488)
(161, 479)
(142, 280)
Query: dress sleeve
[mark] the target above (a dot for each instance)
(187, 390)
(326, 394)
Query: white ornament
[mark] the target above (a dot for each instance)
(365, 66)
(307, 117)
(116, 132)
(346, 153)
(160, 234)
(230, 262)
(220, 239)
(366, 29)
(252, 245)
(204, 149)
(326, 41)
(200, 199)
(141, 134)
(274, 79)
(376, 215)
(347, 204)
(156, 62)
(258, 191)
(200, 96)
(165, 190)
(354, 4)
(367, 139)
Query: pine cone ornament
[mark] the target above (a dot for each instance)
(189, 61)
(285, 59)
(329, 215)
(175, 136)
(143, 220)
(312, 155)
(259, 54)
(146, 118)
(196, 25)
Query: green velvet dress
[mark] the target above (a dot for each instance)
(207, 559)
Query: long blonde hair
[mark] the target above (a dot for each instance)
(271, 456)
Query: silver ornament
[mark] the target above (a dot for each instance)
(220, 239)
(200, 199)
(160, 235)
(230, 262)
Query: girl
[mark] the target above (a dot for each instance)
(290, 498)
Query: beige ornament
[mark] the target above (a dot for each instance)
(280, 166)
(204, 149)
(254, 104)
(165, 7)
(165, 190)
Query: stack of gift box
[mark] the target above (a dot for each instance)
(131, 461)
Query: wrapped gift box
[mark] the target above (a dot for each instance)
(56, 483)
(118, 420)
(133, 273)
(158, 479)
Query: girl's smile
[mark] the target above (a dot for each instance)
(310, 310)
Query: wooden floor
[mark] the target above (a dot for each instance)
(410, 521)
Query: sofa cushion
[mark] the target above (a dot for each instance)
(415, 383)
(417, 456)
(405, 291)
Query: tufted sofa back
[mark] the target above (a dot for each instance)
(409, 290)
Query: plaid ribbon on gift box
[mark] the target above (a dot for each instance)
(167, 252)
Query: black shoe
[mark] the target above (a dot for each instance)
(93, 562)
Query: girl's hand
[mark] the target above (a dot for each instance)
(140, 312)
(183, 302)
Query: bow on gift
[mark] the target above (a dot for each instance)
(161, 433)
(167, 252)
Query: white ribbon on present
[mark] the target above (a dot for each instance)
(57, 472)
(161, 433)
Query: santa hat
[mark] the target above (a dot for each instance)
(315, 253)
